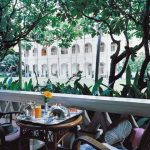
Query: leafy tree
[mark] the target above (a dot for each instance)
(19, 17)
(23, 19)
(62, 32)
(114, 17)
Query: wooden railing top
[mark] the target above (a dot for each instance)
(98, 103)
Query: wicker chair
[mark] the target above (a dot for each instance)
(144, 144)
(9, 131)
(90, 126)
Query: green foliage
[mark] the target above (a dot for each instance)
(9, 65)
(19, 18)
(137, 63)
(26, 45)
(28, 86)
(142, 121)
(108, 13)
(62, 32)
(132, 88)
(9, 84)
(77, 88)
(128, 76)
(97, 86)
(128, 18)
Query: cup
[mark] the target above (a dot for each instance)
(38, 111)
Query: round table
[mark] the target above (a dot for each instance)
(50, 134)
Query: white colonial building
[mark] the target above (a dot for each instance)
(61, 63)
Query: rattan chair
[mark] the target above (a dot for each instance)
(9, 131)
(144, 144)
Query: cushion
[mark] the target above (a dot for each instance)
(8, 128)
(15, 135)
(136, 137)
(119, 133)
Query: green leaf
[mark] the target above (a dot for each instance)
(30, 86)
(87, 90)
(148, 89)
(106, 92)
(125, 90)
(5, 80)
(135, 83)
(10, 82)
(128, 76)
(25, 86)
(141, 122)
(96, 86)
(80, 87)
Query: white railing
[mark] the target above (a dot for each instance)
(97, 103)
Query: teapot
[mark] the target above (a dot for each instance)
(59, 110)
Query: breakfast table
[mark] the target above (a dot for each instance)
(50, 130)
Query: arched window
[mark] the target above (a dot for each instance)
(26, 53)
(75, 68)
(113, 46)
(88, 48)
(44, 52)
(101, 68)
(64, 50)
(44, 70)
(54, 71)
(35, 52)
(75, 49)
(64, 70)
(88, 69)
(26, 68)
(54, 50)
(102, 47)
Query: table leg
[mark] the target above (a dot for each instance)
(24, 144)
(49, 146)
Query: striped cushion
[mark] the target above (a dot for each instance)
(119, 133)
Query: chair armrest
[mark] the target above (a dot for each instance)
(9, 113)
(86, 139)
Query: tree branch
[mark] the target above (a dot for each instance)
(22, 35)
(114, 40)
(125, 64)
(110, 33)
(133, 50)
(141, 82)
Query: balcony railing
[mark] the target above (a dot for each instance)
(16, 100)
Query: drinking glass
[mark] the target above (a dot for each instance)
(38, 111)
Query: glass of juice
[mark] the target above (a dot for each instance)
(38, 111)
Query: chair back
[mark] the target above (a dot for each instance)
(145, 141)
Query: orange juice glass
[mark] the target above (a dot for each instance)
(38, 112)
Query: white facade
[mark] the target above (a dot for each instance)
(62, 63)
